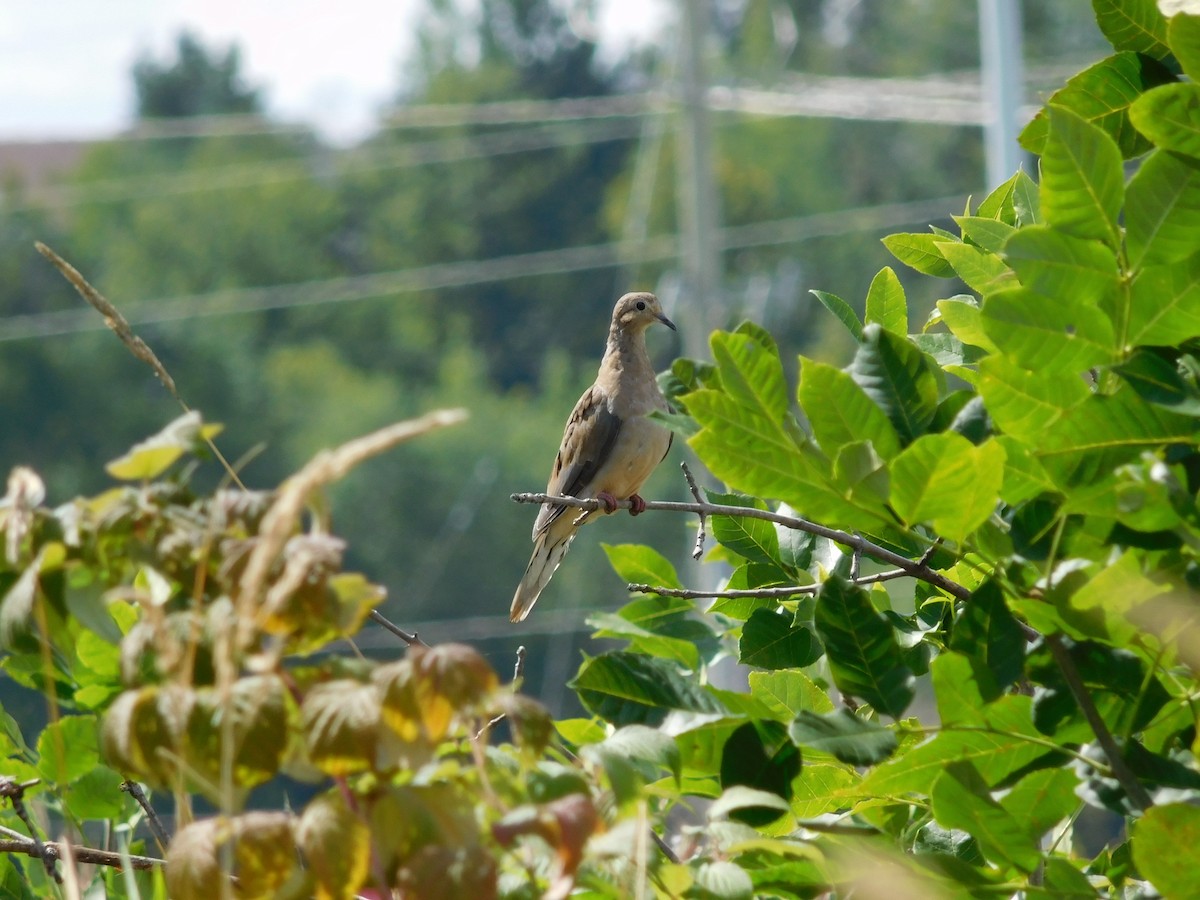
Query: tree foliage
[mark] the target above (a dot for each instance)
(993, 513)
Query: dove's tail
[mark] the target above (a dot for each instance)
(547, 554)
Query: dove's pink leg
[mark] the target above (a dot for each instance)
(639, 505)
(609, 501)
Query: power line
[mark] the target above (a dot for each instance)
(466, 273)
(410, 155)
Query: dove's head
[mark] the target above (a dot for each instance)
(636, 312)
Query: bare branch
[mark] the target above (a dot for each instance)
(782, 592)
(409, 637)
(698, 550)
(50, 851)
(15, 792)
(920, 571)
(134, 790)
(1120, 769)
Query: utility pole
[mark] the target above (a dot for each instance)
(1000, 60)
(696, 205)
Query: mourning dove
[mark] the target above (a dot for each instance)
(609, 447)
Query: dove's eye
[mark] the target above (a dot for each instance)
(641, 305)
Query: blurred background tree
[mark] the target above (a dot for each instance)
(302, 293)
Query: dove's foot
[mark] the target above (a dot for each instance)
(609, 501)
(638, 505)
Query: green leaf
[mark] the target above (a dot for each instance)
(1014, 203)
(1063, 880)
(1102, 94)
(770, 640)
(996, 754)
(963, 689)
(988, 632)
(656, 626)
(840, 412)
(153, 456)
(961, 800)
(1170, 116)
(982, 271)
(1166, 848)
(984, 232)
(96, 795)
(864, 657)
(1121, 420)
(721, 880)
(1082, 179)
(630, 688)
(1183, 35)
(1042, 799)
(1024, 403)
(789, 692)
(1164, 307)
(845, 313)
(898, 378)
(920, 252)
(1133, 25)
(632, 756)
(1158, 381)
(639, 564)
(965, 321)
(849, 738)
(755, 539)
(1069, 269)
(945, 479)
(1044, 333)
(68, 749)
(759, 755)
(1162, 210)
(740, 797)
(751, 373)
(842, 310)
(886, 304)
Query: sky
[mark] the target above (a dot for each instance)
(65, 64)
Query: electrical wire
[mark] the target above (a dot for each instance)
(659, 248)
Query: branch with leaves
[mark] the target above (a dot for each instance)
(918, 569)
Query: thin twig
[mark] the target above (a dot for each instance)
(698, 550)
(928, 554)
(519, 668)
(409, 637)
(767, 592)
(917, 570)
(134, 790)
(15, 792)
(855, 563)
(663, 846)
(1120, 769)
(50, 851)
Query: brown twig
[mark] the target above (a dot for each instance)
(1120, 769)
(50, 851)
(766, 592)
(698, 550)
(15, 792)
(409, 637)
(134, 790)
(920, 571)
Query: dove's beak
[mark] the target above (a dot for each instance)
(666, 321)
